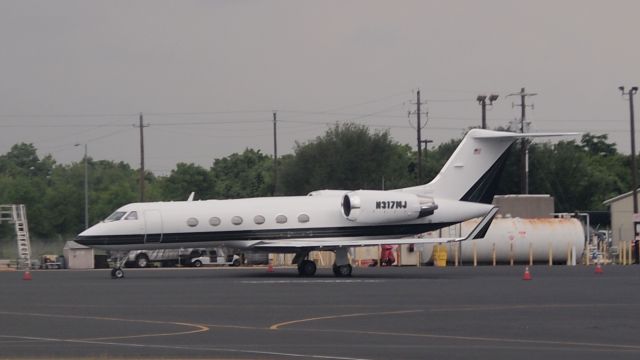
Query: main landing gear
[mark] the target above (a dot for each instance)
(342, 270)
(307, 268)
(117, 272)
(342, 267)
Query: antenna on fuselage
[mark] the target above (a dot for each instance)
(193, 193)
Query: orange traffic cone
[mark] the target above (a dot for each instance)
(527, 274)
(26, 275)
(599, 269)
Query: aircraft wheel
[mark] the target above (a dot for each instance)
(342, 270)
(307, 268)
(197, 263)
(117, 273)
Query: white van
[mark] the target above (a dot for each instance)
(166, 257)
(213, 257)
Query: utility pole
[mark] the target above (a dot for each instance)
(524, 144)
(419, 136)
(275, 156)
(141, 126)
(86, 187)
(419, 139)
(634, 172)
(482, 100)
(426, 143)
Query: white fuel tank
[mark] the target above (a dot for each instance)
(518, 240)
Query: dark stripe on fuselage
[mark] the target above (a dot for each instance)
(271, 234)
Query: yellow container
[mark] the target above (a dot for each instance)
(440, 255)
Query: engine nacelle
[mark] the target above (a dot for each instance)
(376, 207)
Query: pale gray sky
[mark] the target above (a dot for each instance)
(207, 74)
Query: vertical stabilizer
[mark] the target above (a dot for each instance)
(472, 171)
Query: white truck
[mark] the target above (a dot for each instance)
(165, 257)
(216, 257)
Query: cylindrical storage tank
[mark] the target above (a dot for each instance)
(518, 240)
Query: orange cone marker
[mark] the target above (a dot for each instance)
(26, 275)
(527, 274)
(599, 269)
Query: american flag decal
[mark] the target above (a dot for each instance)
(477, 151)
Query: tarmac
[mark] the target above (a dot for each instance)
(379, 313)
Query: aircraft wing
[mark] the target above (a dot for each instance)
(477, 233)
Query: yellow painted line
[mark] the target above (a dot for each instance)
(287, 323)
(198, 328)
(238, 327)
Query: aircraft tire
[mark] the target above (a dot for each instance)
(342, 270)
(307, 268)
(117, 273)
(197, 263)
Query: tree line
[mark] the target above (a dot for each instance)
(580, 174)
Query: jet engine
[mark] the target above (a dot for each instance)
(375, 207)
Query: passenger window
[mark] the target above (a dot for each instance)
(192, 222)
(214, 221)
(115, 216)
(259, 219)
(236, 220)
(281, 219)
(303, 218)
(132, 216)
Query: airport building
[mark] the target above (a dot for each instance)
(621, 208)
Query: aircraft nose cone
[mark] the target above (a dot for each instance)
(85, 237)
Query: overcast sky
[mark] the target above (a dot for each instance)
(208, 74)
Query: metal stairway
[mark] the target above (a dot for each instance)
(17, 214)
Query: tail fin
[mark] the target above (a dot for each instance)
(473, 170)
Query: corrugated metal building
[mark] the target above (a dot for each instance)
(525, 206)
(621, 208)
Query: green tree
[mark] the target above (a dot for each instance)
(348, 156)
(579, 175)
(183, 180)
(249, 174)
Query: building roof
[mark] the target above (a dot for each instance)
(74, 245)
(618, 198)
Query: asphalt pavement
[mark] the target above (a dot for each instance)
(379, 313)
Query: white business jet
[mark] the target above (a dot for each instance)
(326, 220)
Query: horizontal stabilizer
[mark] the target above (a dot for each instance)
(509, 135)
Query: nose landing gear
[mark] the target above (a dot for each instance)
(117, 272)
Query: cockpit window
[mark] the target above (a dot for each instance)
(132, 216)
(115, 216)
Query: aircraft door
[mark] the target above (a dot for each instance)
(153, 228)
